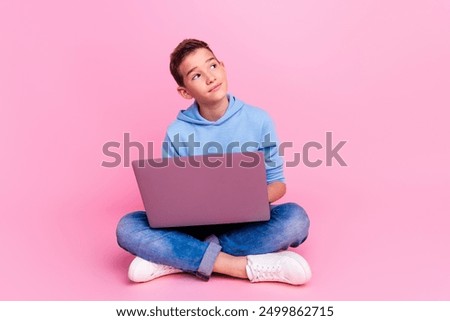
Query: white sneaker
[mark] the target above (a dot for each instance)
(286, 266)
(141, 270)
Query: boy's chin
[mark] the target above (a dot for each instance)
(215, 97)
(221, 94)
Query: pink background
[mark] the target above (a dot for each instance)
(75, 75)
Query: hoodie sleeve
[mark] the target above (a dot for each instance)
(168, 150)
(274, 162)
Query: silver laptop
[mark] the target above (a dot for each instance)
(203, 189)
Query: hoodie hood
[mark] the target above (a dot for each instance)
(192, 114)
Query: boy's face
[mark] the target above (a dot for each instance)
(204, 78)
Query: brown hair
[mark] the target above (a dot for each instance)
(183, 49)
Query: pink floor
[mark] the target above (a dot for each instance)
(75, 76)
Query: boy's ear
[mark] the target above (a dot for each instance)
(184, 93)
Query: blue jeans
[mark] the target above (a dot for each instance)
(195, 249)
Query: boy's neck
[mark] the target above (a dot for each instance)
(215, 111)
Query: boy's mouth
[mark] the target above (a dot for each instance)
(215, 88)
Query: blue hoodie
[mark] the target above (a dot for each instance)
(241, 128)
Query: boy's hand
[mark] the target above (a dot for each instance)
(276, 190)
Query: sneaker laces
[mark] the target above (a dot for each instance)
(266, 272)
(163, 269)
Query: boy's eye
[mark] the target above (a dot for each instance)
(213, 66)
(196, 76)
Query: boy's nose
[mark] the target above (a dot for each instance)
(210, 78)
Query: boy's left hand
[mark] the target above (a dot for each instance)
(275, 191)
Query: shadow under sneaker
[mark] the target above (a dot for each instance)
(141, 270)
(286, 267)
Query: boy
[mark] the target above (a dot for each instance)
(254, 251)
